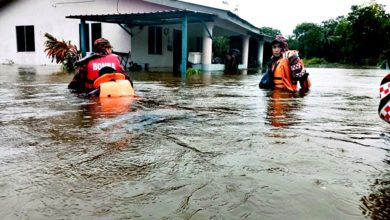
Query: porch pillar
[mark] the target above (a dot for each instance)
(245, 50)
(184, 46)
(207, 46)
(260, 54)
(82, 38)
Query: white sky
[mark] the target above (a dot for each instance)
(286, 14)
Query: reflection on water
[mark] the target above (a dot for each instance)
(206, 147)
(281, 107)
(106, 108)
(376, 204)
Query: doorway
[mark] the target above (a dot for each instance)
(177, 43)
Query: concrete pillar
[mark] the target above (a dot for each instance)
(260, 54)
(245, 51)
(207, 48)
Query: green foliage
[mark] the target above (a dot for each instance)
(191, 71)
(293, 44)
(367, 36)
(315, 61)
(361, 37)
(220, 46)
(309, 37)
(270, 31)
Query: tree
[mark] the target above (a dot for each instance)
(331, 41)
(220, 46)
(270, 31)
(369, 35)
(309, 37)
(362, 37)
(342, 36)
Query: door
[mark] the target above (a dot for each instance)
(176, 51)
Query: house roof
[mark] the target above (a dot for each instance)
(195, 14)
(148, 18)
(192, 6)
(221, 13)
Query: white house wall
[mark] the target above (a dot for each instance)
(140, 52)
(49, 16)
(119, 38)
(165, 60)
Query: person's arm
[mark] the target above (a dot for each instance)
(94, 92)
(127, 76)
(78, 80)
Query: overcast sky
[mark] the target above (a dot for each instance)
(286, 14)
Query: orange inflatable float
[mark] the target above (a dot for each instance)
(113, 85)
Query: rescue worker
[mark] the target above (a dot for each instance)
(232, 61)
(87, 69)
(286, 68)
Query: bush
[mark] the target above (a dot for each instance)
(191, 71)
(315, 61)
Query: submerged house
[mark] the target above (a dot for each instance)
(159, 34)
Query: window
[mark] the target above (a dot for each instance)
(155, 40)
(25, 40)
(90, 36)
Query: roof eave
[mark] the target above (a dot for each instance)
(148, 18)
(222, 13)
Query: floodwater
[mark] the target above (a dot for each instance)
(211, 146)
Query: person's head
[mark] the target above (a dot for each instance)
(105, 70)
(102, 46)
(276, 49)
(279, 45)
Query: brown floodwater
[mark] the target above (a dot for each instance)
(210, 146)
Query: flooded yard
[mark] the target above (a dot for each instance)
(211, 146)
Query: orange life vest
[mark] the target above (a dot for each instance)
(282, 76)
(114, 85)
(94, 65)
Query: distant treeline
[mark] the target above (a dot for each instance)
(362, 37)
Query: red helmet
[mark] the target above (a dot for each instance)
(100, 45)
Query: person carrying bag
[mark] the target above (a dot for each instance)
(285, 69)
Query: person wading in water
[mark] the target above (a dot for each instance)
(87, 69)
(285, 69)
